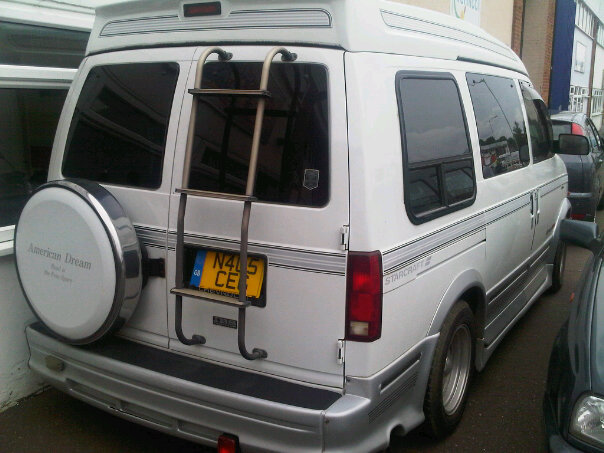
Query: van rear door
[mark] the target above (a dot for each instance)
(295, 232)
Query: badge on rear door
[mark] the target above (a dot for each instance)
(311, 178)
(224, 322)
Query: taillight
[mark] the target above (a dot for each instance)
(364, 296)
(577, 216)
(576, 129)
(227, 444)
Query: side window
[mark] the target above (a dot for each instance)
(118, 131)
(437, 157)
(540, 126)
(500, 123)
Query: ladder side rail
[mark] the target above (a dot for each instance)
(224, 56)
(286, 55)
(180, 225)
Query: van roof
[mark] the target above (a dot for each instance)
(358, 26)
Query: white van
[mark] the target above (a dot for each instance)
(386, 172)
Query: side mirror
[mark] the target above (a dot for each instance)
(576, 145)
(579, 233)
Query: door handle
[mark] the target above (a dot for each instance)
(538, 208)
(532, 210)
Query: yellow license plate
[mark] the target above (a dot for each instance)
(219, 272)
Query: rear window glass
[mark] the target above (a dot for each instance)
(500, 122)
(118, 130)
(293, 162)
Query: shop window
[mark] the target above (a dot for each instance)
(29, 121)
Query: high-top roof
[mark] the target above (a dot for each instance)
(354, 25)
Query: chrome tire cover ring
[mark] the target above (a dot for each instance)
(78, 260)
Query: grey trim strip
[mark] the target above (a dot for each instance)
(275, 18)
(304, 260)
(580, 195)
(153, 237)
(399, 256)
(283, 257)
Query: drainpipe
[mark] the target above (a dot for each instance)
(593, 60)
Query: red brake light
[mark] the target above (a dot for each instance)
(576, 129)
(364, 296)
(577, 216)
(202, 9)
(227, 444)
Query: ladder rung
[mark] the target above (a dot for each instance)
(221, 195)
(210, 297)
(229, 92)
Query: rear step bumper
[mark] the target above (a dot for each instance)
(199, 401)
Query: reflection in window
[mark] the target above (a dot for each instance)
(293, 161)
(118, 130)
(439, 169)
(539, 123)
(29, 120)
(500, 123)
(32, 45)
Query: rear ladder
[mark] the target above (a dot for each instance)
(180, 290)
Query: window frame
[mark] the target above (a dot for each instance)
(35, 78)
(438, 163)
(528, 92)
(329, 141)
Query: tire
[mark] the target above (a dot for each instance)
(451, 372)
(558, 271)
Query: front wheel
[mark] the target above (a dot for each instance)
(451, 372)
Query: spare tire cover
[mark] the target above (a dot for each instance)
(78, 260)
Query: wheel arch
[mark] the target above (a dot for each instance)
(563, 213)
(469, 287)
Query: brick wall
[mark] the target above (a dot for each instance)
(537, 40)
(517, 23)
(547, 57)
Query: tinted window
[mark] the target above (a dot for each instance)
(32, 45)
(539, 124)
(500, 123)
(29, 120)
(293, 162)
(434, 124)
(118, 130)
(438, 165)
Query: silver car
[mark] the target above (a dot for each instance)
(585, 178)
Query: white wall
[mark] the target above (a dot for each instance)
(598, 81)
(16, 380)
(581, 78)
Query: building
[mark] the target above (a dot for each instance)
(41, 45)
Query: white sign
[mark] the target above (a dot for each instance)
(468, 10)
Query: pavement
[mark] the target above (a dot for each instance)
(503, 413)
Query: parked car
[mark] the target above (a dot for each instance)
(574, 398)
(585, 173)
(389, 193)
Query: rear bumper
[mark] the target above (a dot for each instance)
(268, 415)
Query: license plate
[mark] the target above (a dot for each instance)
(219, 272)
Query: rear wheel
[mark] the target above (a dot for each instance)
(451, 372)
(559, 265)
